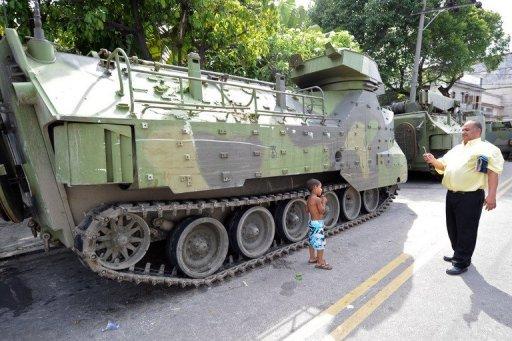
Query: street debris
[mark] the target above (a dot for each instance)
(298, 276)
(111, 326)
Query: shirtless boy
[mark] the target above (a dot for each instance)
(316, 237)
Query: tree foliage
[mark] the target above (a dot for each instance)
(387, 31)
(309, 42)
(251, 38)
(292, 16)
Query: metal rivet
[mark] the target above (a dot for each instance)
(150, 177)
(226, 176)
(145, 125)
(187, 156)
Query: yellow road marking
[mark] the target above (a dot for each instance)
(362, 313)
(505, 186)
(366, 285)
(325, 317)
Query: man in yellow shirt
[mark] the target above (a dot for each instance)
(468, 168)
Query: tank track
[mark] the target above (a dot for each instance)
(157, 274)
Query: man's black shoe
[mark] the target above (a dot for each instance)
(448, 259)
(456, 270)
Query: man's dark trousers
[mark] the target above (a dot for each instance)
(463, 211)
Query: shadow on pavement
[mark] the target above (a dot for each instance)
(67, 300)
(57, 297)
(488, 299)
(371, 247)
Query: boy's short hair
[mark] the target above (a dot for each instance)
(312, 183)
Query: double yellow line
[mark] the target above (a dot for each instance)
(504, 187)
(354, 320)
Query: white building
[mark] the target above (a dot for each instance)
(498, 88)
(468, 92)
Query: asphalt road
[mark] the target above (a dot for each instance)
(388, 283)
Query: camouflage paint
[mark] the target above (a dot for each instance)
(80, 130)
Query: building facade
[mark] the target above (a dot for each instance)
(497, 98)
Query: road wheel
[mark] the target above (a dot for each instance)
(332, 213)
(122, 242)
(292, 220)
(370, 200)
(251, 231)
(350, 203)
(198, 246)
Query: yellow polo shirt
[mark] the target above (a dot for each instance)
(460, 165)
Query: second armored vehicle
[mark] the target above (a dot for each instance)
(499, 133)
(426, 126)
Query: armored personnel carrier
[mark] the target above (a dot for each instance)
(116, 156)
(428, 125)
(499, 133)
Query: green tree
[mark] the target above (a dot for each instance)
(386, 30)
(229, 35)
(83, 25)
(292, 16)
(252, 38)
(308, 42)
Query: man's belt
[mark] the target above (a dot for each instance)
(465, 192)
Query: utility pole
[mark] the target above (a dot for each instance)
(4, 5)
(414, 81)
(450, 5)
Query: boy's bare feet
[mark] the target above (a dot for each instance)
(324, 266)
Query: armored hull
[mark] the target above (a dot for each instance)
(110, 154)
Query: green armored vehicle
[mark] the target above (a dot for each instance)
(499, 133)
(116, 157)
(426, 126)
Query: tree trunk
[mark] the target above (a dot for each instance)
(445, 90)
(140, 36)
(420, 73)
(182, 28)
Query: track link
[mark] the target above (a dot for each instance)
(156, 274)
